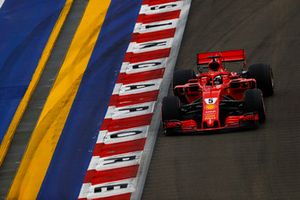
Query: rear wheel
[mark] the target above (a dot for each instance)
(263, 75)
(170, 111)
(181, 77)
(254, 103)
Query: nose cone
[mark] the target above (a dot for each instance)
(210, 123)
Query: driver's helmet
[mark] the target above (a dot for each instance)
(218, 80)
(214, 65)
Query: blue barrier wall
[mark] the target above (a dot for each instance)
(25, 27)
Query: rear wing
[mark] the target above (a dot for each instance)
(225, 56)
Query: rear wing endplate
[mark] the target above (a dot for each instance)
(225, 56)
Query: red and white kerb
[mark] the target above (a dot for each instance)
(112, 172)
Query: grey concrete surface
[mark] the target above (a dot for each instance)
(35, 106)
(262, 164)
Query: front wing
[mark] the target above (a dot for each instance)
(231, 122)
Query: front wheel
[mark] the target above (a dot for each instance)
(170, 111)
(254, 103)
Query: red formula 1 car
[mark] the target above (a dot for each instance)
(217, 99)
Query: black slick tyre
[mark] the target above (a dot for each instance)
(170, 111)
(181, 77)
(253, 102)
(263, 75)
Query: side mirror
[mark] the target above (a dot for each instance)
(244, 74)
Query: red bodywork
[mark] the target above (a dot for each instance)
(211, 95)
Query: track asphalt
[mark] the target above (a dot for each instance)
(260, 164)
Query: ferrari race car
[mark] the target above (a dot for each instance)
(216, 98)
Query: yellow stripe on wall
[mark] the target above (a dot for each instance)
(46, 134)
(34, 81)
